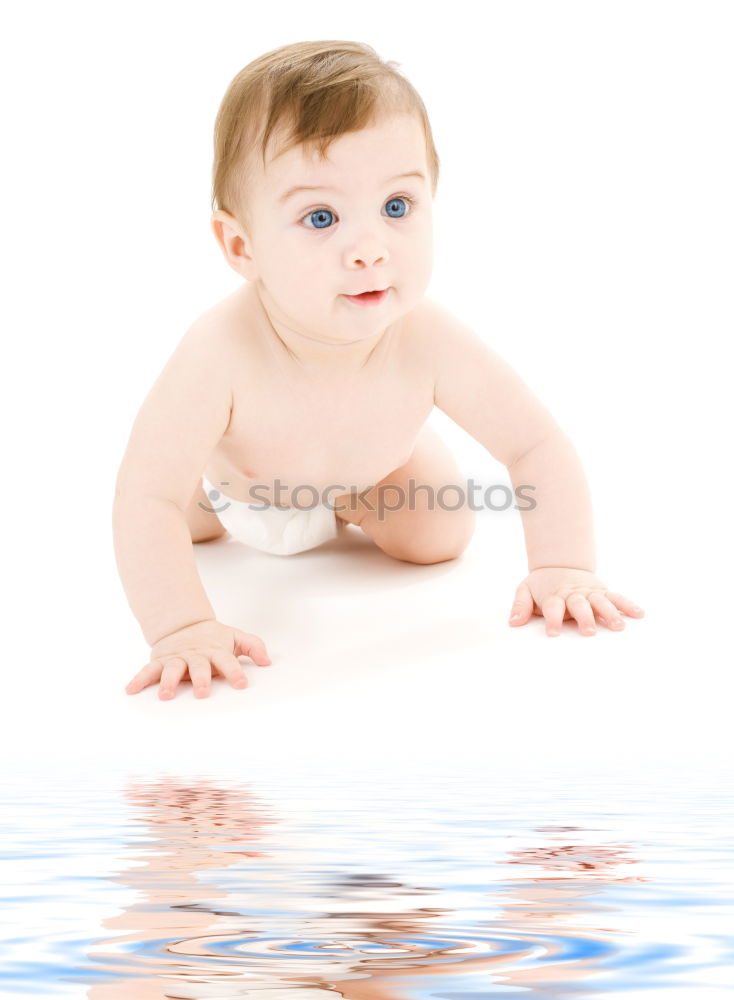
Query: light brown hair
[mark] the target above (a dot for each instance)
(314, 92)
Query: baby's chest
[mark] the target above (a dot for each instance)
(323, 436)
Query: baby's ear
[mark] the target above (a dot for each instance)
(234, 244)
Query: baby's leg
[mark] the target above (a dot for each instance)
(413, 531)
(204, 525)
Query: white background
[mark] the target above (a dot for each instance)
(583, 226)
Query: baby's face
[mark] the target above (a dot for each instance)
(363, 228)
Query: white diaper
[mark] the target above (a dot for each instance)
(282, 531)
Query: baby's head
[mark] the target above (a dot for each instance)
(333, 116)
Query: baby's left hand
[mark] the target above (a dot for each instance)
(558, 592)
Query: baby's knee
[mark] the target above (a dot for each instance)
(438, 548)
(428, 537)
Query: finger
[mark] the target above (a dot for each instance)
(553, 609)
(173, 670)
(200, 672)
(252, 646)
(148, 675)
(606, 611)
(580, 609)
(229, 667)
(522, 607)
(625, 605)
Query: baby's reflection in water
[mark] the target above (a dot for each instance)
(192, 939)
(193, 827)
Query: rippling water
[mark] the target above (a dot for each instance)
(455, 887)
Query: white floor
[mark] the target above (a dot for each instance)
(374, 661)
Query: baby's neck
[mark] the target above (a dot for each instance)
(318, 356)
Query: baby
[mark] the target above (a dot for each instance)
(298, 404)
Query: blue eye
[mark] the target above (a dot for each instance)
(322, 217)
(319, 214)
(396, 203)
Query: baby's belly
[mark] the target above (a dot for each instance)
(292, 485)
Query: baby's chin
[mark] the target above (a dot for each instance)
(340, 320)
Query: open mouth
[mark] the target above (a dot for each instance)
(368, 298)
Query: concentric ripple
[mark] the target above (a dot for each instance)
(216, 891)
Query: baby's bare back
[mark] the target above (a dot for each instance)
(335, 432)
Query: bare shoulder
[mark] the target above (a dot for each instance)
(477, 388)
(436, 339)
(436, 331)
(185, 414)
(205, 361)
(222, 330)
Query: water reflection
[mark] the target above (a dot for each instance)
(288, 916)
(564, 876)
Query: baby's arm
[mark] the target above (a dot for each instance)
(180, 422)
(482, 393)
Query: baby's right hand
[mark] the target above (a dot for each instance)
(201, 649)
